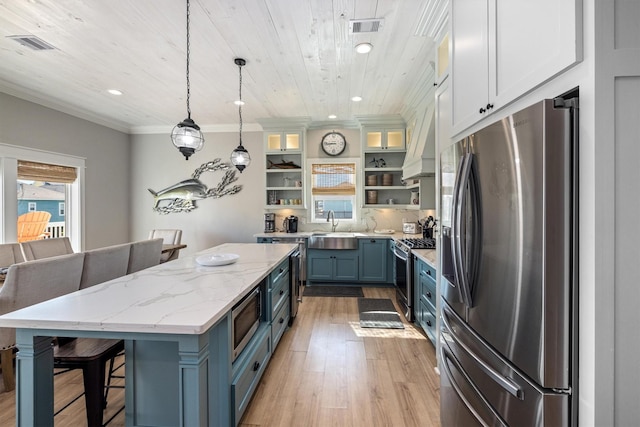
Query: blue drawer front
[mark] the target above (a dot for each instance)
(280, 322)
(278, 272)
(246, 381)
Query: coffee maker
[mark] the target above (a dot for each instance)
(290, 224)
(269, 222)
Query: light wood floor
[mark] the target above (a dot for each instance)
(326, 371)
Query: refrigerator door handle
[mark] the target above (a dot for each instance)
(502, 381)
(455, 224)
(460, 234)
(446, 357)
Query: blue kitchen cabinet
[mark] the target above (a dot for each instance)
(425, 297)
(278, 301)
(251, 363)
(332, 265)
(248, 370)
(374, 254)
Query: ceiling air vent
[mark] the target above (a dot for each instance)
(32, 42)
(357, 26)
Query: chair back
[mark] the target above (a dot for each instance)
(103, 264)
(10, 253)
(38, 249)
(31, 225)
(169, 237)
(144, 254)
(32, 282)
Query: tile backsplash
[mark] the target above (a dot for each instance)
(370, 219)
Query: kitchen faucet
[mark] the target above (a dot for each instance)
(332, 215)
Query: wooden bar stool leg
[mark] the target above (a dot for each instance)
(93, 377)
(8, 375)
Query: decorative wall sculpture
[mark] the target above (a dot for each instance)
(181, 197)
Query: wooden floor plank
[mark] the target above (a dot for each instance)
(326, 371)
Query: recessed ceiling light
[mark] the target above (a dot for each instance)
(364, 47)
(332, 116)
(356, 99)
(238, 102)
(115, 92)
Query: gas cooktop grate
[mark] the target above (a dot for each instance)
(420, 243)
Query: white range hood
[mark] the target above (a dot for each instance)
(420, 159)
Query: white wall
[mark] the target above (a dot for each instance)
(106, 151)
(157, 164)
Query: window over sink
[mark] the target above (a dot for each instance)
(333, 188)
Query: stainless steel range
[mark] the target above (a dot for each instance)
(404, 271)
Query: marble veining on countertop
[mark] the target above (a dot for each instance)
(427, 255)
(180, 296)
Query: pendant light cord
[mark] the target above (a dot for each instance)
(188, 54)
(240, 103)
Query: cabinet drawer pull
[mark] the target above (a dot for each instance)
(482, 110)
(281, 270)
(281, 291)
(429, 295)
(281, 321)
(256, 366)
(429, 323)
(489, 106)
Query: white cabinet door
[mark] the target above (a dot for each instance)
(530, 42)
(502, 49)
(443, 117)
(469, 61)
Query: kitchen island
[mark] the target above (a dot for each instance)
(175, 320)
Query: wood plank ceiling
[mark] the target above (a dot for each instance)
(300, 58)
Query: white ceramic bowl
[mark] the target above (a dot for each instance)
(211, 260)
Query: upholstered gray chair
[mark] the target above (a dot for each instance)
(38, 249)
(103, 264)
(30, 283)
(10, 253)
(144, 254)
(169, 237)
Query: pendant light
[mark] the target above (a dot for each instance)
(186, 135)
(240, 156)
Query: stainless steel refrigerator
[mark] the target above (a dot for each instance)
(509, 289)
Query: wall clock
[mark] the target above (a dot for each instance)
(333, 143)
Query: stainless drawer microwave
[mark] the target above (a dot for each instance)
(245, 318)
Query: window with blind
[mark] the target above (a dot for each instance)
(43, 187)
(333, 188)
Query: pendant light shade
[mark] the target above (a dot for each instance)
(187, 138)
(186, 135)
(240, 157)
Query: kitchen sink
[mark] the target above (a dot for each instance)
(333, 241)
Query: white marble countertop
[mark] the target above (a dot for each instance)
(178, 297)
(427, 255)
(359, 234)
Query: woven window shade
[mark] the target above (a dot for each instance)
(333, 178)
(46, 173)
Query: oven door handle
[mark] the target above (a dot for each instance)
(400, 254)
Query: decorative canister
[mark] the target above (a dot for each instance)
(387, 179)
(415, 198)
(372, 180)
(372, 197)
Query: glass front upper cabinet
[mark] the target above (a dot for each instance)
(382, 139)
(283, 141)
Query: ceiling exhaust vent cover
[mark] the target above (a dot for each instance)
(32, 42)
(374, 25)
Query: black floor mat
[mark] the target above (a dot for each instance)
(378, 313)
(332, 291)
